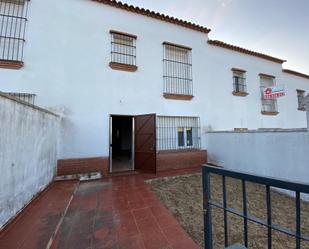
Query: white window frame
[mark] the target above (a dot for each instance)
(185, 138)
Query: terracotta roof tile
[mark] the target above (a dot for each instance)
(156, 15)
(306, 76)
(244, 51)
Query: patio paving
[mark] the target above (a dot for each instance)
(116, 212)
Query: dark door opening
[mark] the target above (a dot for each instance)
(122, 144)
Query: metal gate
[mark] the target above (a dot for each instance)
(268, 183)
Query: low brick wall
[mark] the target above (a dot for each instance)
(167, 160)
(82, 166)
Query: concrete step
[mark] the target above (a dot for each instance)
(81, 177)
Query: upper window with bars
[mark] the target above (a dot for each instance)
(269, 106)
(13, 19)
(300, 100)
(123, 51)
(177, 71)
(239, 82)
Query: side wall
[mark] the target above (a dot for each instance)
(281, 154)
(28, 154)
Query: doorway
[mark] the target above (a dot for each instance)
(122, 144)
(132, 143)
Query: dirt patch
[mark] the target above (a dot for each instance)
(183, 197)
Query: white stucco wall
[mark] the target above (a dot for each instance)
(66, 64)
(28, 154)
(280, 154)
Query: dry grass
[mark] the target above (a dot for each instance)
(183, 197)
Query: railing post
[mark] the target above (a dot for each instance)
(207, 210)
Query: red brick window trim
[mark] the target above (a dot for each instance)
(234, 69)
(178, 96)
(269, 113)
(7, 64)
(123, 67)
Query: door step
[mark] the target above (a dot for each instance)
(82, 177)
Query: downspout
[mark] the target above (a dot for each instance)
(306, 101)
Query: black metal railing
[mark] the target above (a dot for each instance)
(177, 70)
(209, 203)
(27, 97)
(239, 84)
(123, 49)
(13, 19)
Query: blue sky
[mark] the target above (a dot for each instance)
(276, 27)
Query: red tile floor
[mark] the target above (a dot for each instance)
(116, 212)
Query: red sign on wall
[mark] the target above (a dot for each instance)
(273, 92)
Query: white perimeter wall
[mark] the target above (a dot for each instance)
(66, 64)
(28, 154)
(277, 154)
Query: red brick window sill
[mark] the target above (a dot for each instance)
(177, 96)
(240, 94)
(7, 64)
(123, 67)
(269, 113)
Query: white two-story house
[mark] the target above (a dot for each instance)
(137, 90)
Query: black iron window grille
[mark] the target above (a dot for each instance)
(123, 48)
(300, 99)
(13, 19)
(239, 83)
(177, 70)
(178, 133)
(209, 203)
(268, 105)
(26, 97)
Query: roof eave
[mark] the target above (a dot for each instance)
(245, 51)
(155, 15)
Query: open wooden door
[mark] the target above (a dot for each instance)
(145, 143)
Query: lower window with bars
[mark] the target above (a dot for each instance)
(178, 133)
